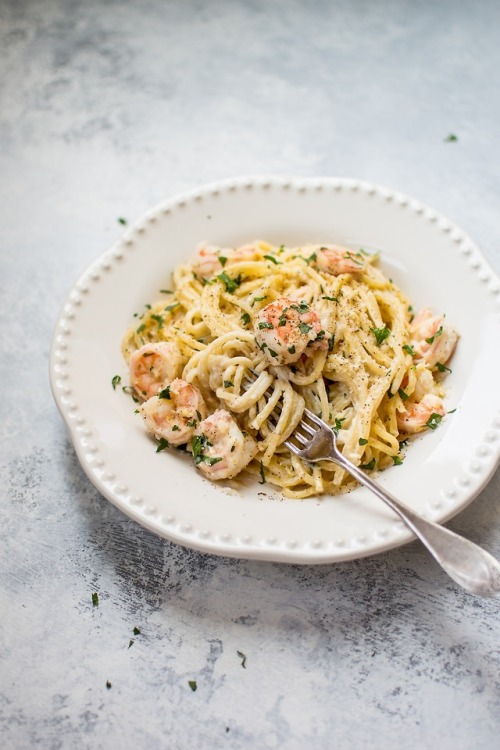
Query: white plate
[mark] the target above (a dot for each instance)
(430, 258)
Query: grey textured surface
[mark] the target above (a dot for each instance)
(107, 108)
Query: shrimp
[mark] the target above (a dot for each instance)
(417, 414)
(220, 449)
(175, 413)
(284, 328)
(154, 366)
(335, 259)
(211, 260)
(432, 340)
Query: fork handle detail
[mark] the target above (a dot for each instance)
(465, 562)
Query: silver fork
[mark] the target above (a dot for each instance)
(466, 563)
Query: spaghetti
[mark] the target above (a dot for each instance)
(320, 327)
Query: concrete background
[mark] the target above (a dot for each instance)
(106, 108)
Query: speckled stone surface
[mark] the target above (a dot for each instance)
(107, 108)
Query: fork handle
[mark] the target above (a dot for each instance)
(465, 562)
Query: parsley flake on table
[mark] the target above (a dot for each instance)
(95, 599)
(397, 460)
(192, 684)
(243, 659)
(108, 684)
(136, 631)
(116, 379)
(121, 220)
(451, 138)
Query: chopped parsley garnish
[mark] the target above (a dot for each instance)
(259, 299)
(191, 423)
(192, 684)
(121, 220)
(330, 299)
(108, 684)
(175, 427)
(272, 353)
(451, 138)
(369, 466)
(116, 379)
(245, 318)
(140, 329)
(439, 331)
(320, 336)
(263, 324)
(282, 321)
(165, 393)
(397, 460)
(350, 256)
(262, 475)
(228, 384)
(166, 291)
(272, 259)
(95, 599)
(304, 328)
(162, 444)
(137, 631)
(338, 425)
(230, 284)
(291, 349)
(311, 258)
(409, 349)
(172, 307)
(442, 368)
(203, 281)
(198, 445)
(158, 319)
(434, 420)
(131, 642)
(404, 396)
(198, 415)
(302, 308)
(243, 659)
(331, 342)
(147, 306)
(363, 441)
(381, 334)
(222, 260)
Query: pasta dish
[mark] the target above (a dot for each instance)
(316, 326)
